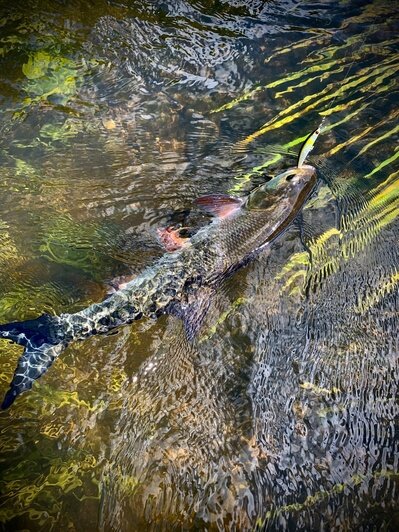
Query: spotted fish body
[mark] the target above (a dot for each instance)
(178, 283)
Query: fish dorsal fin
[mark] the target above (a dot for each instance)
(220, 205)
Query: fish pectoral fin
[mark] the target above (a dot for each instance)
(170, 238)
(220, 205)
(192, 313)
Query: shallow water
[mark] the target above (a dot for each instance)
(283, 414)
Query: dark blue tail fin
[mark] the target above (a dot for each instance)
(43, 341)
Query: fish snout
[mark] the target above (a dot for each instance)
(306, 173)
(296, 175)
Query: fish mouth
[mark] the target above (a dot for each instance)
(302, 174)
(305, 178)
(307, 172)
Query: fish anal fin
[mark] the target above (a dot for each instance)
(220, 205)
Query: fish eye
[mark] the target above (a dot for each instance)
(290, 176)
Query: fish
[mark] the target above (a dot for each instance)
(170, 238)
(181, 282)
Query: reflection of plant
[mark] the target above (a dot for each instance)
(310, 501)
(338, 245)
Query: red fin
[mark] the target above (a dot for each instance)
(170, 238)
(220, 205)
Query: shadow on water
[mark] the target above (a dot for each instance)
(282, 414)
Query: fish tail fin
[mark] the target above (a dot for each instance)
(44, 340)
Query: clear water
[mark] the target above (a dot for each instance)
(283, 414)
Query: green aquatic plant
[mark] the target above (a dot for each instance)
(312, 500)
(52, 71)
(372, 10)
(50, 74)
(317, 390)
(8, 354)
(41, 299)
(37, 496)
(275, 158)
(383, 163)
(49, 68)
(323, 66)
(37, 65)
(24, 169)
(386, 135)
(316, 40)
(363, 133)
(260, 169)
(323, 69)
(117, 379)
(54, 399)
(61, 132)
(383, 289)
(233, 103)
(10, 256)
(66, 241)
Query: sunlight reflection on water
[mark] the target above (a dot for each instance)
(283, 414)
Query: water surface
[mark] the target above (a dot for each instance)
(114, 117)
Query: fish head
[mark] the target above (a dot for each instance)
(289, 188)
